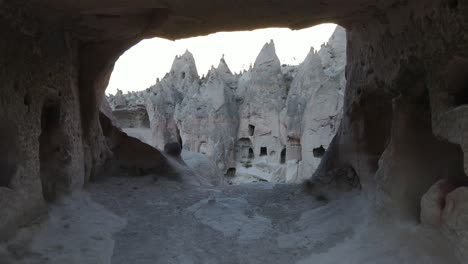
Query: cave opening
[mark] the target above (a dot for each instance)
(50, 150)
(251, 154)
(231, 172)
(144, 119)
(263, 151)
(10, 158)
(457, 78)
(203, 148)
(319, 152)
(283, 156)
(453, 4)
(245, 153)
(461, 97)
(251, 130)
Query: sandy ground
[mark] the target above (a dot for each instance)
(138, 221)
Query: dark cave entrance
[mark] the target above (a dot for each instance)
(50, 151)
(244, 152)
(231, 172)
(319, 152)
(251, 154)
(202, 148)
(283, 156)
(263, 151)
(251, 130)
(9, 146)
(457, 76)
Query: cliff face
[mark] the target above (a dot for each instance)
(324, 74)
(273, 122)
(166, 95)
(404, 123)
(208, 119)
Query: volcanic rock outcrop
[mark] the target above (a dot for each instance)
(404, 124)
(273, 122)
(208, 118)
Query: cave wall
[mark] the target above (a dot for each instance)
(40, 125)
(402, 125)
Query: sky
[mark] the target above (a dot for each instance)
(140, 66)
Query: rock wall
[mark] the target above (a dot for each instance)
(314, 107)
(403, 129)
(273, 122)
(405, 77)
(40, 122)
(50, 131)
(207, 118)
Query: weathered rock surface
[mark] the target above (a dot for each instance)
(444, 207)
(315, 104)
(208, 120)
(166, 95)
(263, 92)
(251, 125)
(62, 52)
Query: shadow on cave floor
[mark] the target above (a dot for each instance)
(135, 220)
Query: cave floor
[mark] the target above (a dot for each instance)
(138, 221)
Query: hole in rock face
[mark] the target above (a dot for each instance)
(457, 80)
(461, 98)
(27, 99)
(9, 146)
(251, 153)
(359, 91)
(203, 148)
(460, 89)
(263, 151)
(283, 156)
(231, 172)
(319, 152)
(182, 75)
(244, 150)
(173, 149)
(50, 118)
(453, 4)
(50, 150)
(251, 130)
(144, 119)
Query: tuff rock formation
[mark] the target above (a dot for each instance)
(208, 118)
(404, 123)
(272, 123)
(321, 82)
